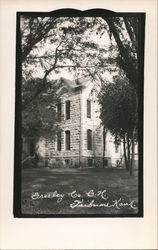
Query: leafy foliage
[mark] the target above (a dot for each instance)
(39, 116)
(118, 107)
(65, 43)
(119, 115)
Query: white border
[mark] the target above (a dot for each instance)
(99, 233)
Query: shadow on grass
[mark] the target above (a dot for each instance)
(117, 183)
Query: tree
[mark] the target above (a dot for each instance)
(119, 114)
(33, 31)
(39, 116)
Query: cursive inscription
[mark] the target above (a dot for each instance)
(49, 195)
(87, 199)
(115, 203)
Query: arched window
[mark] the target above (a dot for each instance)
(89, 139)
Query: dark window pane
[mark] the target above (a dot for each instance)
(67, 161)
(67, 133)
(67, 110)
(59, 111)
(88, 108)
(89, 139)
(59, 141)
(90, 162)
(105, 162)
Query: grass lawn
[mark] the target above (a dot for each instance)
(79, 191)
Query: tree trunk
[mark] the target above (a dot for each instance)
(104, 143)
(128, 151)
(132, 157)
(126, 62)
(125, 155)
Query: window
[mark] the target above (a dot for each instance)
(90, 162)
(88, 108)
(67, 110)
(89, 139)
(67, 161)
(67, 140)
(59, 141)
(106, 162)
(59, 111)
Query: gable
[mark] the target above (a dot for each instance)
(65, 85)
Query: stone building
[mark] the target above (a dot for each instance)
(79, 140)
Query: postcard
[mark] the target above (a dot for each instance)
(79, 123)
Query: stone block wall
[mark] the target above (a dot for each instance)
(92, 123)
(72, 125)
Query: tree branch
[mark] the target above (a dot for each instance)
(38, 36)
(125, 61)
(55, 62)
(131, 33)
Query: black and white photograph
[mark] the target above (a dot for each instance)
(79, 114)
